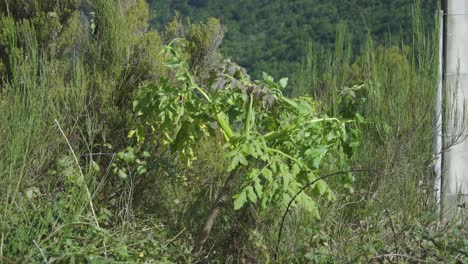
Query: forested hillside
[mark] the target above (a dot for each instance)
(272, 34)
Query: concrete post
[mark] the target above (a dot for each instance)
(455, 179)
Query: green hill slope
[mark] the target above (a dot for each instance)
(271, 34)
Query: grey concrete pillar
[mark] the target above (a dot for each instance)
(455, 179)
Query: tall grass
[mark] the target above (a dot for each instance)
(44, 192)
(46, 212)
(36, 94)
(399, 88)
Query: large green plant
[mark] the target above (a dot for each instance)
(279, 143)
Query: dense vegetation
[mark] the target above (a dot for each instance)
(120, 143)
(271, 34)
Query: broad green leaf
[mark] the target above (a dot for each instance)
(267, 77)
(311, 177)
(128, 156)
(290, 102)
(258, 187)
(321, 187)
(249, 149)
(232, 153)
(141, 170)
(264, 202)
(331, 135)
(304, 107)
(295, 170)
(237, 159)
(287, 177)
(251, 194)
(135, 104)
(267, 174)
(286, 198)
(330, 195)
(95, 166)
(283, 82)
(120, 155)
(253, 174)
(122, 174)
(239, 200)
(243, 160)
(308, 204)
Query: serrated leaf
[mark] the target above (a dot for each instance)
(251, 194)
(321, 187)
(253, 174)
(295, 170)
(290, 102)
(237, 159)
(249, 149)
(231, 154)
(319, 155)
(267, 77)
(304, 107)
(239, 200)
(258, 188)
(331, 135)
(243, 160)
(286, 198)
(264, 203)
(311, 177)
(308, 204)
(267, 174)
(283, 82)
(141, 170)
(287, 177)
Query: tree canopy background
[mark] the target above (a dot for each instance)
(271, 34)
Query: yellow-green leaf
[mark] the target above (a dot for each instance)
(239, 200)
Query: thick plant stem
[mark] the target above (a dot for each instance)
(213, 214)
